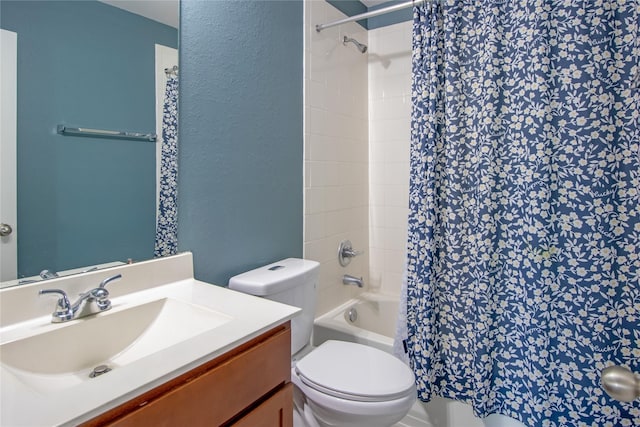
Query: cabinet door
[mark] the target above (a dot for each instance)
(277, 411)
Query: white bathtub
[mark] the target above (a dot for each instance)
(375, 326)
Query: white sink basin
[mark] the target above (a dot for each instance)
(64, 357)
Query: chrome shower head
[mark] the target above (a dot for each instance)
(361, 47)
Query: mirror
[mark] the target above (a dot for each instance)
(83, 202)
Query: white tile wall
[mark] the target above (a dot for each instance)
(336, 151)
(389, 139)
(356, 144)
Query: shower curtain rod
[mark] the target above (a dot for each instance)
(371, 14)
(171, 70)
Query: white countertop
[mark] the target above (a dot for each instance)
(22, 405)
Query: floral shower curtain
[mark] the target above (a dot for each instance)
(167, 221)
(523, 276)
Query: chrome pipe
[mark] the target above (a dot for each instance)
(101, 133)
(371, 14)
(361, 47)
(348, 279)
(171, 71)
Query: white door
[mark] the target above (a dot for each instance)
(8, 187)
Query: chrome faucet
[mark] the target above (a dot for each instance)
(48, 274)
(90, 302)
(348, 279)
(44, 275)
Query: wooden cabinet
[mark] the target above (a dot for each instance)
(248, 386)
(275, 411)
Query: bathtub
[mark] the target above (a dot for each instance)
(374, 323)
(370, 319)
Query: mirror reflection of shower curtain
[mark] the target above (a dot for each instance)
(167, 222)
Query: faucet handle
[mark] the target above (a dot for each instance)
(101, 294)
(346, 252)
(63, 310)
(108, 280)
(350, 253)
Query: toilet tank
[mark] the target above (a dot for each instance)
(292, 281)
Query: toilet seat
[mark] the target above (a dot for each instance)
(355, 372)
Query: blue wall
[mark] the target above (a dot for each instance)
(240, 151)
(351, 8)
(82, 201)
(389, 18)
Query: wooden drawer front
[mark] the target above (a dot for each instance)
(221, 393)
(277, 411)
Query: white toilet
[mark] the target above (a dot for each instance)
(340, 383)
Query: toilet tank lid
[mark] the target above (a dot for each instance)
(276, 277)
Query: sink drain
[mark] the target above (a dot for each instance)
(99, 370)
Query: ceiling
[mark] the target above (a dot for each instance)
(164, 11)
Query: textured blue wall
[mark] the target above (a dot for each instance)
(82, 201)
(240, 151)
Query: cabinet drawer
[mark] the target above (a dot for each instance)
(215, 394)
(277, 411)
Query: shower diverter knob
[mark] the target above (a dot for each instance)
(346, 252)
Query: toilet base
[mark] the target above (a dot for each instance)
(328, 419)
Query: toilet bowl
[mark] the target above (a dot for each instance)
(353, 385)
(337, 384)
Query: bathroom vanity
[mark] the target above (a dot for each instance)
(247, 386)
(180, 352)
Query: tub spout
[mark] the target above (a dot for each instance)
(348, 279)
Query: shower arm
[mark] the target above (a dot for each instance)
(361, 47)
